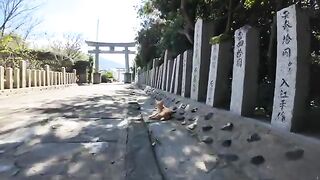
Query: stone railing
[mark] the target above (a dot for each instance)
(203, 73)
(22, 77)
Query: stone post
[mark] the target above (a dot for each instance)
(201, 60)
(218, 83)
(64, 75)
(292, 73)
(153, 72)
(29, 78)
(173, 77)
(245, 71)
(169, 74)
(39, 78)
(9, 78)
(23, 73)
(178, 78)
(16, 78)
(159, 76)
(51, 78)
(156, 77)
(43, 77)
(47, 69)
(1, 78)
(74, 75)
(164, 73)
(34, 78)
(186, 73)
(55, 78)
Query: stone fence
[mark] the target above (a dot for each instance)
(203, 73)
(26, 78)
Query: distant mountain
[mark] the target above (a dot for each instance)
(106, 64)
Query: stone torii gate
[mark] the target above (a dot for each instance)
(111, 46)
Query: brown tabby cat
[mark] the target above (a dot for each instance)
(163, 113)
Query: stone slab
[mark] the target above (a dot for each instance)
(186, 73)
(178, 75)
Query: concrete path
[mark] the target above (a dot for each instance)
(75, 133)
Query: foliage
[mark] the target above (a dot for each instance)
(219, 39)
(107, 77)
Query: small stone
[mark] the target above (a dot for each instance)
(183, 106)
(229, 157)
(174, 108)
(181, 112)
(295, 154)
(227, 127)
(174, 129)
(193, 119)
(226, 143)
(257, 160)
(208, 116)
(207, 140)
(194, 110)
(183, 123)
(207, 128)
(192, 126)
(180, 118)
(112, 162)
(177, 102)
(254, 137)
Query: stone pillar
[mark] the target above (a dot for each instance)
(34, 78)
(74, 76)
(16, 78)
(51, 78)
(201, 60)
(218, 83)
(43, 78)
(173, 77)
(159, 77)
(292, 73)
(245, 71)
(1, 78)
(97, 78)
(153, 72)
(178, 78)
(47, 69)
(63, 75)
(186, 73)
(156, 77)
(9, 78)
(39, 78)
(29, 78)
(164, 73)
(23, 73)
(169, 74)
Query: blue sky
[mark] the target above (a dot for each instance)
(117, 21)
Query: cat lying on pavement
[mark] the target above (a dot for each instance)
(163, 113)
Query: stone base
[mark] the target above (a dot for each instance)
(127, 77)
(96, 78)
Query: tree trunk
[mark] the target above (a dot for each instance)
(229, 20)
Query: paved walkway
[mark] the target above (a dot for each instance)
(74, 133)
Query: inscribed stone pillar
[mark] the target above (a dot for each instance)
(173, 77)
(23, 73)
(16, 78)
(9, 78)
(153, 72)
(186, 73)
(47, 69)
(169, 74)
(245, 71)
(39, 78)
(178, 74)
(220, 64)
(201, 60)
(292, 73)
(1, 78)
(34, 78)
(63, 75)
(29, 78)
(160, 76)
(156, 77)
(164, 72)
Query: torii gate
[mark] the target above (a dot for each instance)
(111, 46)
